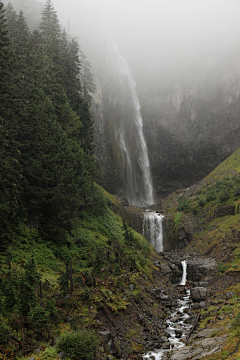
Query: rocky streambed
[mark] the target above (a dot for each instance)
(178, 326)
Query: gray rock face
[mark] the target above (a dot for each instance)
(190, 127)
(203, 346)
(200, 293)
(165, 269)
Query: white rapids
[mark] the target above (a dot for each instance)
(175, 328)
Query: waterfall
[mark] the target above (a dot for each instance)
(184, 275)
(153, 229)
(128, 128)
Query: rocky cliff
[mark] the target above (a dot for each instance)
(190, 127)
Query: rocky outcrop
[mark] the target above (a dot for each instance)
(203, 345)
(200, 293)
(197, 268)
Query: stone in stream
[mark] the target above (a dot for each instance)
(163, 339)
(178, 333)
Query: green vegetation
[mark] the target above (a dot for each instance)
(65, 255)
(46, 138)
(79, 345)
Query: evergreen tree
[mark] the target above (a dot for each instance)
(10, 168)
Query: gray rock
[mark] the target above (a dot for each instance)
(166, 346)
(230, 294)
(106, 335)
(61, 355)
(200, 293)
(163, 339)
(202, 304)
(131, 287)
(32, 358)
(165, 269)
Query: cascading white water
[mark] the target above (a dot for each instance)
(174, 340)
(153, 229)
(129, 131)
(184, 274)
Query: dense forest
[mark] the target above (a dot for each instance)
(57, 233)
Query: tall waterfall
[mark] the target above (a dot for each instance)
(184, 275)
(153, 229)
(126, 118)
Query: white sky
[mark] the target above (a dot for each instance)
(156, 35)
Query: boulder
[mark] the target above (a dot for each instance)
(230, 294)
(200, 293)
(165, 269)
(61, 355)
(202, 304)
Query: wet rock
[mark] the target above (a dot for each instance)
(174, 319)
(163, 297)
(163, 339)
(200, 293)
(178, 333)
(195, 306)
(152, 357)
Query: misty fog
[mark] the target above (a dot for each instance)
(162, 41)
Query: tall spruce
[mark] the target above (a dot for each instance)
(10, 168)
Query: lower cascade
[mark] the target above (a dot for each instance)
(153, 229)
(184, 275)
(177, 330)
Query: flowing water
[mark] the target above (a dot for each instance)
(184, 275)
(128, 127)
(178, 330)
(153, 229)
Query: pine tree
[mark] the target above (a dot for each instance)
(10, 168)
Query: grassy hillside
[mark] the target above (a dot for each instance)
(55, 294)
(212, 205)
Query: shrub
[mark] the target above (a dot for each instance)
(39, 319)
(221, 268)
(224, 196)
(236, 320)
(201, 202)
(236, 191)
(210, 196)
(194, 211)
(199, 191)
(4, 331)
(79, 345)
(183, 204)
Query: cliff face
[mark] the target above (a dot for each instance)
(190, 127)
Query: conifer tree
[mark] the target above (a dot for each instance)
(10, 168)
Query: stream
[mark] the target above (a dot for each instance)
(177, 327)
